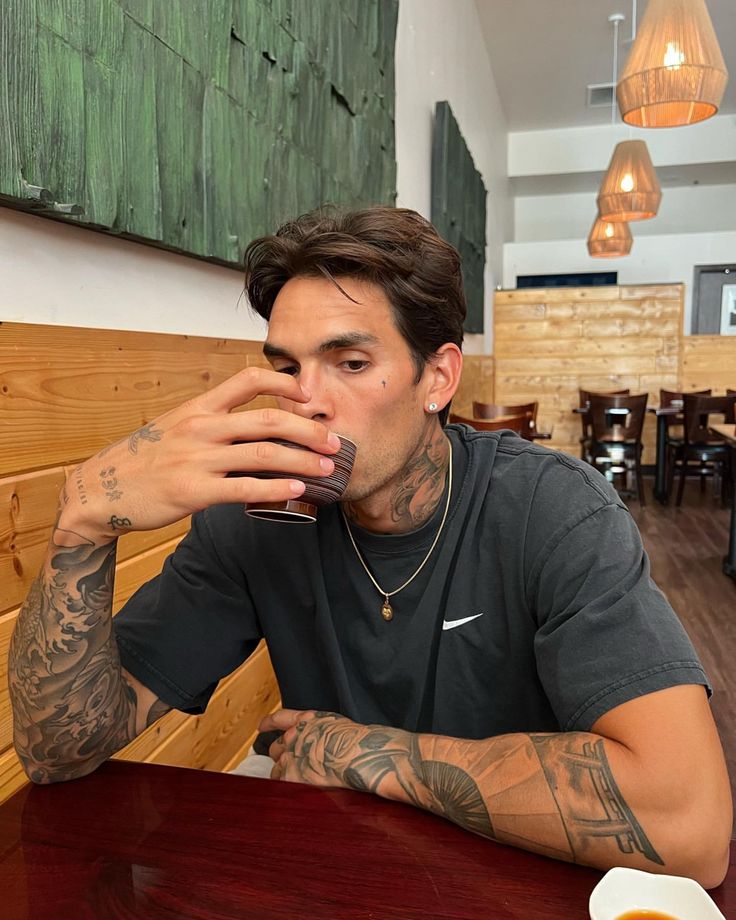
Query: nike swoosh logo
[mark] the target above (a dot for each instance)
(451, 624)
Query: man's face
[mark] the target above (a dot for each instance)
(357, 368)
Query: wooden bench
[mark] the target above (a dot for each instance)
(64, 394)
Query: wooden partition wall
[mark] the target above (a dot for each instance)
(551, 342)
(476, 383)
(64, 394)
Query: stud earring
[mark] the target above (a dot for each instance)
(432, 407)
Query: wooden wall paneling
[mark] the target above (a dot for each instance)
(709, 361)
(549, 343)
(7, 623)
(12, 776)
(476, 383)
(55, 410)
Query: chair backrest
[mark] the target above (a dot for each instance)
(584, 395)
(617, 418)
(518, 423)
(493, 410)
(699, 408)
(668, 397)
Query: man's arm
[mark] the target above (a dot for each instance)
(73, 704)
(646, 788)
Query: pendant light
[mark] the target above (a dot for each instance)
(675, 74)
(609, 240)
(630, 189)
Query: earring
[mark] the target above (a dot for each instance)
(432, 407)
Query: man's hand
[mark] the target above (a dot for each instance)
(314, 747)
(178, 464)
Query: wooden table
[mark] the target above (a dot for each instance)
(145, 841)
(728, 433)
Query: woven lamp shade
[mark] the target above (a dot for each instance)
(630, 189)
(675, 74)
(608, 240)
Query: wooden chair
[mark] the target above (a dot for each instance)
(483, 410)
(617, 422)
(673, 423)
(699, 446)
(517, 423)
(583, 403)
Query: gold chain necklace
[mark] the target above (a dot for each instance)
(387, 611)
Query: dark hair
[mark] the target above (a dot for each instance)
(394, 248)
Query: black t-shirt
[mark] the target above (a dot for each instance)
(535, 612)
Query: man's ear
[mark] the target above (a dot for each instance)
(443, 376)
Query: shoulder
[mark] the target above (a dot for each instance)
(523, 472)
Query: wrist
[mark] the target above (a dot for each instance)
(76, 520)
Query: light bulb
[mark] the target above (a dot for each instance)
(673, 57)
(627, 183)
(609, 230)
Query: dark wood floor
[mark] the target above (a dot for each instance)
(686, 546)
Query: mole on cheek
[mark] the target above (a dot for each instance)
(383, 384)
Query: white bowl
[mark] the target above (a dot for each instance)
(621, 890)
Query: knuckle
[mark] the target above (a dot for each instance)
(269, 417)
(263, 453)
(189, 426)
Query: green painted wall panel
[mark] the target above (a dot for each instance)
(196, 124)
(459, 207)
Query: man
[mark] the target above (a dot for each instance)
(473, 630)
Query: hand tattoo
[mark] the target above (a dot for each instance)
(147, 433)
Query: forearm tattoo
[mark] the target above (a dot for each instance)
(552, 794)
(71, 705)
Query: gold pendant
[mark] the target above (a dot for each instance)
(387, 611)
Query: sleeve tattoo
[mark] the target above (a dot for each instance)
(552, 794)
(72, 706)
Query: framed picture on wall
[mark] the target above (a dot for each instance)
(728, 310)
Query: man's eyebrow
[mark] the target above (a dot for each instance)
(346, 340)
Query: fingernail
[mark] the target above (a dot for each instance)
(327, 465)
(333, 440)
(296, 487)
(305, 392)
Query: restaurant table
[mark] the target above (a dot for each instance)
(144, 841)
(728, 433)
(660, 469)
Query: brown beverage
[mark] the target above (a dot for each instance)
(645, 914)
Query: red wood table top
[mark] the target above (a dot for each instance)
(144, 841)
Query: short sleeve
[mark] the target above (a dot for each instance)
(189, 627)
(606, 633)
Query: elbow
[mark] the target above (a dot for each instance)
(704, 850)
(44, 774)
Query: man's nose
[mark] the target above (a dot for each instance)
(319, 406)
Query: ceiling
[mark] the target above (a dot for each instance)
(544, 53)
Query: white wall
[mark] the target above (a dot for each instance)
(441, 55)
(55, 273)
(653, 259)
(696, 209)
(588, 149)
(63, 275)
